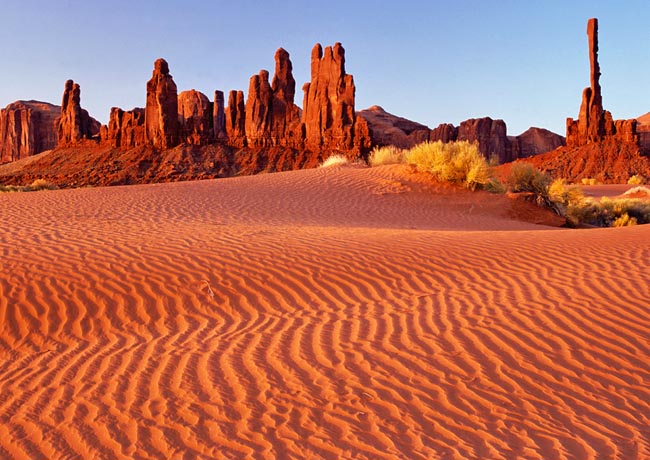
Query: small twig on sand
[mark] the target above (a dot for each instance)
(210, 291)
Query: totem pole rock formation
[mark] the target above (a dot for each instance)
(594, 123)
(161, 111)
(328, 109)
(27, 128)
(75, 124)
(286, 127)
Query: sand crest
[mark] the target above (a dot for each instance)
(341, 313)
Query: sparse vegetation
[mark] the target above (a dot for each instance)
(457, 162)
(386, 155)
(570, 202)
(335, 160)
(588, 181)
(38, 184)
(636, 180)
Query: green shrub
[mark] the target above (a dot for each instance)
(386, 155)
(457, 162)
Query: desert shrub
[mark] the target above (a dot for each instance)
(562, 197)
(335, 160)
(588, 181)
(386, 155)
(610, 212)
(636, 180)
(41, 184)
(494, 185)
(38, 184)
(526, 178)
(457, 162)
(624, 221)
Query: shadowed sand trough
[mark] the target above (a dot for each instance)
(336, 313)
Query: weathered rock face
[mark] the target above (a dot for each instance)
(75, 124)
(445, 132)
(491, 136)
(126, 128)
(272, 118)
(161, 111)
(594, 123)
(218, 116)
(27, 128)
(258, 111)
(236, 119)
(534, 141)
(286, 126)
(195, 120)
(328, 109)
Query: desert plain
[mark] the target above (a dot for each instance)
(333, 313)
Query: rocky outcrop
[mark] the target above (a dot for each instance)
(218, 117)
(236, 119)
(491, 136)
(27, 128)
(328, 109)
(534, 141)
(75, 124)
(445, 132)
(258, 111)
(388, 129)
(125, 128)
(594, 123)
(161, 111)
(195, 120)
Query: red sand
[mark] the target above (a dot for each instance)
(336, 313)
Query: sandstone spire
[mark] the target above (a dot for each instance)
(161, 111)
(75, 124)
(328, 109)
(594, 123)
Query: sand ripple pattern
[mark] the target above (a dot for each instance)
(326, 314)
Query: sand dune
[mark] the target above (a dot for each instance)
(336, 313)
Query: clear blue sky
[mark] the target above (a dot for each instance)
(524, 61)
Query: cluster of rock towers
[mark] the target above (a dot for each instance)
(267, 118)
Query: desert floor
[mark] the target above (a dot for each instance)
(339, 313)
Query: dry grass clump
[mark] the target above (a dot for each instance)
(636, 179)
(335, 160)
(386, 155)
(38, 184)
(638, 191)
(457, 162)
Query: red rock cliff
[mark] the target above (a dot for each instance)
(27, 128)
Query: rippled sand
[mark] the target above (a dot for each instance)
(340, 313)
